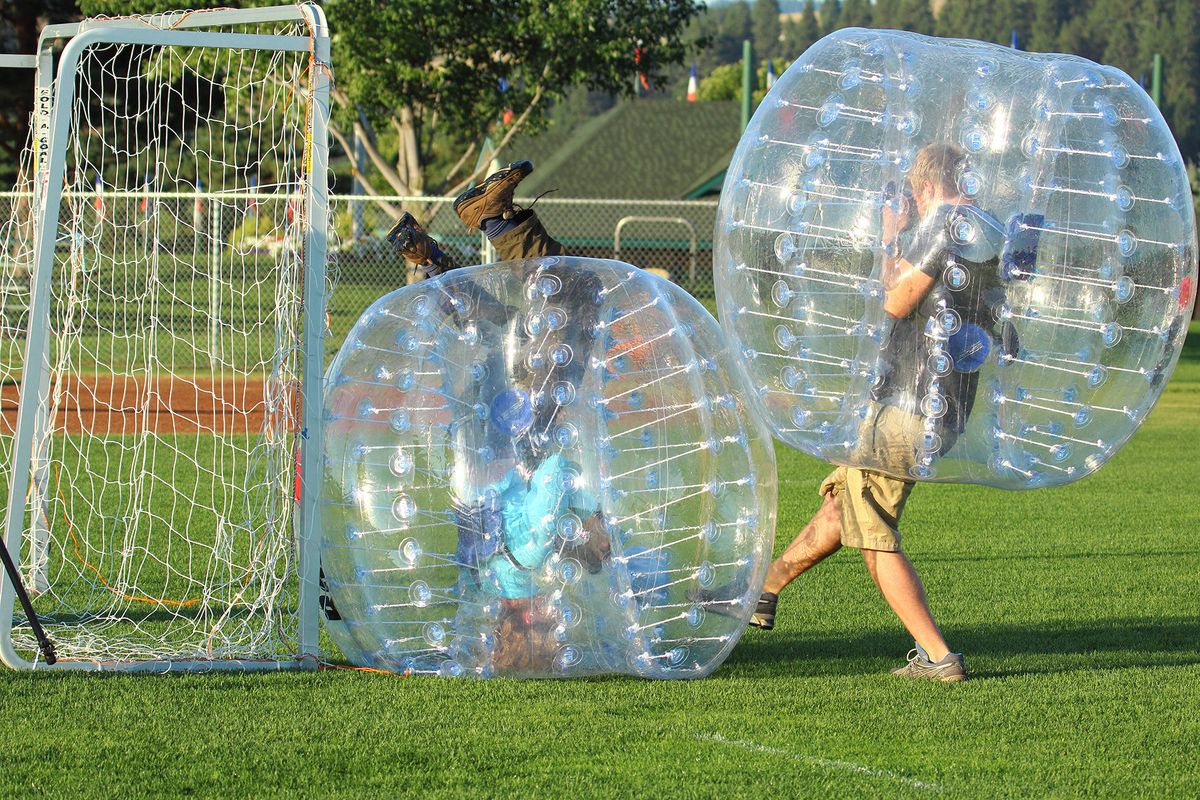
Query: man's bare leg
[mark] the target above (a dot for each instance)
(821, 538)
(900, 585)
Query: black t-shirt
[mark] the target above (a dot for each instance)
(930, 362)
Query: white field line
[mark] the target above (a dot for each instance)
(824, 763)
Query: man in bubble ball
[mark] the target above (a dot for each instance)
(940, 276)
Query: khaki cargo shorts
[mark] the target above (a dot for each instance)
(871, 505)
(872, 501)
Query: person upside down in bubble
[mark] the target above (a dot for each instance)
(531, 522)
(527, 519)
(941, 291)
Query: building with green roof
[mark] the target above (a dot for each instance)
(642, 149)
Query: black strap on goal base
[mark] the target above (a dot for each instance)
(43, 640)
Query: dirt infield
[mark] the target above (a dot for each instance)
(123, 405)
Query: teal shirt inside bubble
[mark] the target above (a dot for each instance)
(531, 510)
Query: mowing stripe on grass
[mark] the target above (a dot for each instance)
(824, 763)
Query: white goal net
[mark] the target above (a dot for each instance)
(180, 279)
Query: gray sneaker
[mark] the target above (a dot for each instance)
(950, 668)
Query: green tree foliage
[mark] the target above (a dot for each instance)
(20, 24)
(1048, 19)
(419, 77)
(723, 83)
(800, 34)
(766, 28)
(915, 16)
(831, 16)
(885, 13)
(856, 14)
(1181, 100)
(734, 28)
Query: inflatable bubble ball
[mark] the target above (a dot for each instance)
(953, 261)
(541, 468)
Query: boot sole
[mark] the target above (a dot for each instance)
(465, 200)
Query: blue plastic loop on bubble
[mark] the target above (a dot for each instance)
(781, 293)
(566, 435)
(1126, 243)
(404, 508)
(1124, 198)
(829, 110)
(970, 184)
(933, 405)
(407, 343)
(785, 247)
(1123, 289)
(564, 393)
(401, 463)
(956, 278)
(569, 656)
(420, 593)
(974, 139)
(1110, 334)
(562, 354)
(940, 363)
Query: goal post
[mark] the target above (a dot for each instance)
(152, 461)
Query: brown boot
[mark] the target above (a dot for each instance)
(493, 197)
(417, 247)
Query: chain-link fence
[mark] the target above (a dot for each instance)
(251, 232)
(671, 237)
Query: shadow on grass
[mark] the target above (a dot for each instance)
(1049, 647)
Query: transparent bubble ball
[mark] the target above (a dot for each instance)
(541, 468)
(1051, 222)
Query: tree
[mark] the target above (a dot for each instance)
(422, 83)
(765, 27)
(884, 14)
(20, 25)
(1048, 19)
(734, 28)
(915, 16)
(424, 67)
(1181, 101)
(1115, 25)
(723, 83)
(801, 34)
(856, 14)
(831, 15)
(973, 19)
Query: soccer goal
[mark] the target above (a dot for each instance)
(163, 269)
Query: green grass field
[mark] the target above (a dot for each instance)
(1078, 609)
